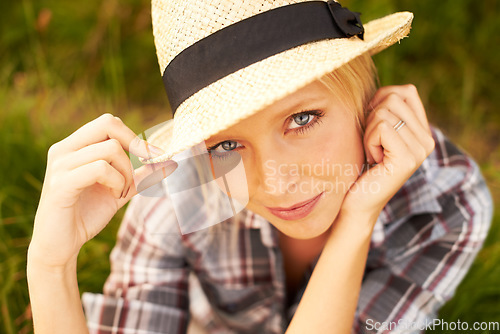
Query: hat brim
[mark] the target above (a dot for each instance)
(247, 91)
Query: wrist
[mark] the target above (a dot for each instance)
(361, 218)
(55, 299)
(355, 224)
(38, 263)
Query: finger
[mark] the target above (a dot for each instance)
(110, 151)
(413, 143)
(386, 140)
(374, 153)
(381, 114)
(408, 94)
(414, 149)
(101, 172)
(149, 175)
(397, 159)
(398, 107)
(103, 128)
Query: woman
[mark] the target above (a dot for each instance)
(376, 239)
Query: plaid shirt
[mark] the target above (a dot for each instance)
(423, 243)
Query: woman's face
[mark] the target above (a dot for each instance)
(301, 154)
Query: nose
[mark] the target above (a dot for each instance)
(276, 170)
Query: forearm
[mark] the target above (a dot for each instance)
(55, 299)
(329, 301)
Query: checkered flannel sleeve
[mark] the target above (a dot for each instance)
(147, 290)
(426, 255)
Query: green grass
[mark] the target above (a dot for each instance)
(60, 73)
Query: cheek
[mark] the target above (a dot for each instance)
(230, 177)
(340, 154)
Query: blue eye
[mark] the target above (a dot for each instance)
(304, 120)
(228, 145)
(223, 149)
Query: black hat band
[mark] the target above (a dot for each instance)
(253, 39)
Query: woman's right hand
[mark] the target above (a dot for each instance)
(394, 154)
(88, 178)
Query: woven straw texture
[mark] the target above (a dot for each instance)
(179, 23)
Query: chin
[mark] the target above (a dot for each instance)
(306, 229)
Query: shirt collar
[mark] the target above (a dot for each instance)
(268, 233)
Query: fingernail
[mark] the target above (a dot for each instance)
(153, 150)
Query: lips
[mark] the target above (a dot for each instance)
(296, 211)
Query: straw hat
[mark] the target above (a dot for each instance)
(209, 102)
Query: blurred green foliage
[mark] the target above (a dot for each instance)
(65, 63)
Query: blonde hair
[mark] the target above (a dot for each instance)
(354, 83)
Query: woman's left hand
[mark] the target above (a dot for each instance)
(397, 152)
